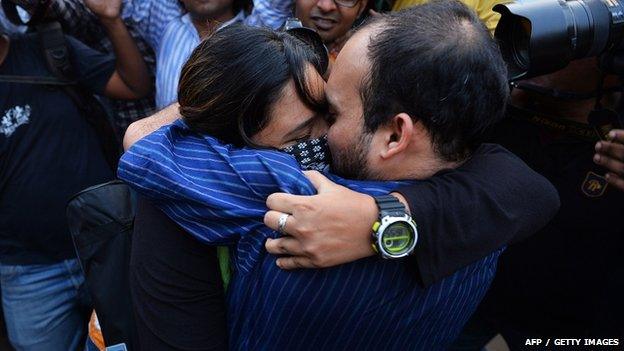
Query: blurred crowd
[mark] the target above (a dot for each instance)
(80, 80)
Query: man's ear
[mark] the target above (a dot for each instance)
(397, 135)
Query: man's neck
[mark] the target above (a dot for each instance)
(206, 26)
(422, 167)
(4, 47)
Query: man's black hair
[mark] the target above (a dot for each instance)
(438, 63)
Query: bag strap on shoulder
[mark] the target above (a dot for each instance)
(55, 51)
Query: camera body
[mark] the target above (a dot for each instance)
(542, 36)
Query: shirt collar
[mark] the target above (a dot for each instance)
(240, 17)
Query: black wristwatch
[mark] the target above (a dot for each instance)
(395, 234)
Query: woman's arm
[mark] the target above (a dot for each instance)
(213, 191)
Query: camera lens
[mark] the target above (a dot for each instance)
(520, 39)
(542, 36)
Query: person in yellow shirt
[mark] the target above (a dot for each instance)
(482, 7)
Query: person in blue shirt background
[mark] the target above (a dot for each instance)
(216, 192)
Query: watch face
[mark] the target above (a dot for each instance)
(397, 238)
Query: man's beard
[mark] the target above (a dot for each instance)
(351, 163)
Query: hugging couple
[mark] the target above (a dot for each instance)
(420, 208)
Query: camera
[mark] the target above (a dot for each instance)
(542, 36)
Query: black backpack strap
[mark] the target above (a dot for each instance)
(56, 53)
(33, 80)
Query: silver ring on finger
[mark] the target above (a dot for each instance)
(281, 223)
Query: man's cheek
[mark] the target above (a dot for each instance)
(334, 139)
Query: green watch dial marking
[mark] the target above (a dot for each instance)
(397, 238)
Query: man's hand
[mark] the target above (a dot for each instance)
(610, 154)
(324, 230)
(104, 9)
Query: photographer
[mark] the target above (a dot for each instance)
(565, 281)
(48, 152)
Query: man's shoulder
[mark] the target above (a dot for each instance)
(24, 43)
(493, 155)
(491, 150)
(178, 41)
(25, 56)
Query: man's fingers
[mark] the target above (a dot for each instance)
(616, 135)
(284, 202)
(613, 165)
(614, 150)
(320, 182)
(271, 220)
(284, 246)
(616, 181)
(294, 262)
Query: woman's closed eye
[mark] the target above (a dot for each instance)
(300, 138)
(329, 117)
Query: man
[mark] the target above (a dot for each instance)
(48, 152)
(332, 19)
(563, 280)
(394, 145)
(327, 222)
(174, 31)
(183, 34)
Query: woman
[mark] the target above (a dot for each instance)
(248, 87)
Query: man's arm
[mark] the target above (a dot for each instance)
(311, 244)
(610, 154)
(131, 78)
(462, 216)
(143, 127)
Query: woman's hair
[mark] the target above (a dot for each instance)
(233, 77)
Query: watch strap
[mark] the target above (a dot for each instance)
(389, 206)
